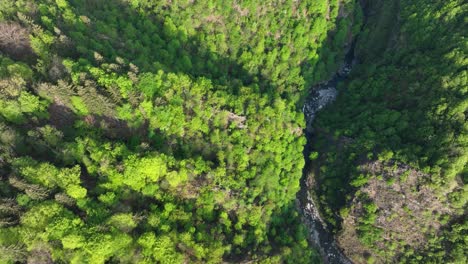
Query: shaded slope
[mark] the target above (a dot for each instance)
(406, 105)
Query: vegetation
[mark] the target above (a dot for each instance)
(170, 131)
(405, 107)
(158, 131)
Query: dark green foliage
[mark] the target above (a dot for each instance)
(406, 103)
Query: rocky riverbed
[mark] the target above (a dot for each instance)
(320, 96)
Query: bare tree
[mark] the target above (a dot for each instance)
(13, 252)
(34, 191)
(9, 206)
(40, 256)
(14, 40)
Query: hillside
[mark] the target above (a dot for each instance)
(391, 171)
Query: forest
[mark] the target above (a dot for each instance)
(391, 153)
(158, 131)
(171, 131)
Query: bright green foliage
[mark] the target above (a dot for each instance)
(79, 105)
(72, 241)
(17, 104)
(139, 172)
(160, 131)
(49, 176)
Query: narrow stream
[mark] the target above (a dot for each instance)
(320, 96)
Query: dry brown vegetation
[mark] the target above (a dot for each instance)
(408, 210)
(14, 40)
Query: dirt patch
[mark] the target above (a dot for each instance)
(237, 119)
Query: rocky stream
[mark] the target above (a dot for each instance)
(320, 96)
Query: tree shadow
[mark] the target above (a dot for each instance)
(391, 107)
(113, 29)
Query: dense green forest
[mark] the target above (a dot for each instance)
(391, 167)
(171, 131)
(159, 131)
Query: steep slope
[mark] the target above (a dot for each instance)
(391, 168)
